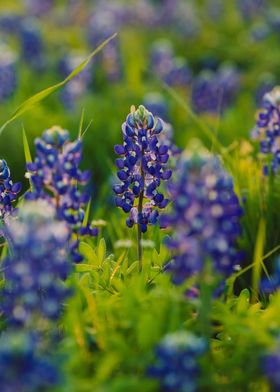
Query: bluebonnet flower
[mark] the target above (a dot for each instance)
(105, 21)
(8, 73)
(271, 368)
(39, 7)
(8, 191)
(23, 368)
(9, 22)
(213, 92)
(173, 70)
(55, 176)
(142, 167)
(32, 47)
(205, 217)
(176, 365)
(37, 265)
(78, 85)
(251, 8)
(271, 284)
(267, 130)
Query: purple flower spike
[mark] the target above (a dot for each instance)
(267, 130)
(205, 217)
(56, 177)
(143, 165)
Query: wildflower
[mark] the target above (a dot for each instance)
(251, 8)
(105, 21)
(55, 176)
(176, 365)
(205, 217)
(37, 265)
(39, 7)
(267, 130)
(213, 92)
(173, 70)
(142, 167)
(271, 367)
(22, 367)
(8, 191)
(8, 73)
(32, 47)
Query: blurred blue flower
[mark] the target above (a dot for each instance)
(213, 92)
(205, 217)
(8, 73)
(106, 20)
(249, 9)
(176, 365)
(56, 177)
(173, 70)
(39, 7)
(142, 167)
(8, 191)
(22, 367)
(267, 130)
(36, 266)
(32, 46)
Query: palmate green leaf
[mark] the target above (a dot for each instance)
(35, 99)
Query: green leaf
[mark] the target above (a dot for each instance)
(258, 256)
(101, 250)
(88, 252)
(35, 99)
(83, 267)
(86, 217)
(26, 148)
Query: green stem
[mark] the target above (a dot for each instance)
(139, 232)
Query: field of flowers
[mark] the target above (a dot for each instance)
(139, 195)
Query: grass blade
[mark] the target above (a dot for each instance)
(258, 257)
(26, 148)
(32, 101)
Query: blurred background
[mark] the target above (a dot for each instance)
(219, 56)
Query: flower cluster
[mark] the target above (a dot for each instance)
(271, 368)
(22, 367)
(142, 167)
(8, 191)
(39, 7)
(213, 92)
(267, 130)
(251, 8)
(176, 365)
(32, 47)
(8, 74)
(205, 217)
(38, 264)
(105, 21)
(173, 70)
(55, 176)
